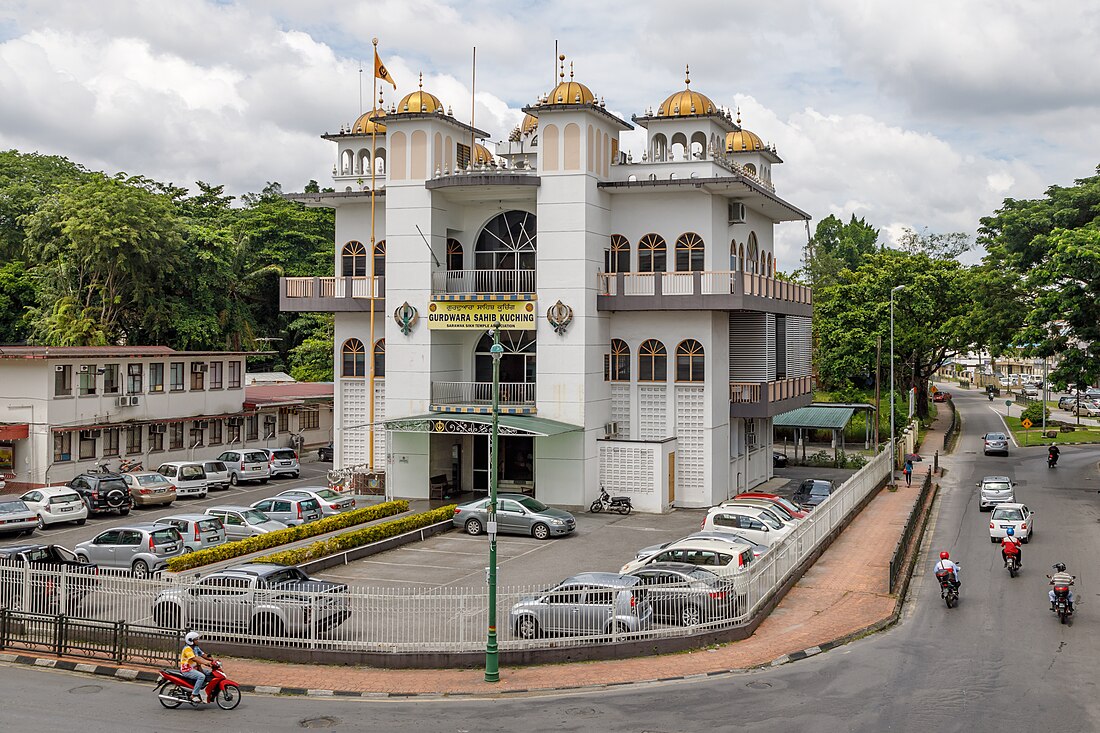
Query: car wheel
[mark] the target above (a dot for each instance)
(263, 481)
(141, 569)
(41, 522)
(82, 559)
(691, 615)
(267, 626)
(473, 527)
(540, 531)
(124, 511)
(1025, 540)
(167, 617)
(81, 522)
(619, 628)
(994, 540)
(232, 479)
(527, 627)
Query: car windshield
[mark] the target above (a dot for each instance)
(64, 498)
(164, 536)
(310, 503)
(191, 472)
(1008, 515)
(533, 504)
(215, 466)
(285, 576)
(150, 479)
(111, 484)
(327, 494)
(255, 457)
(996, 436)
(996, 486)
(771, 521)
(209, 525)
(819, 490)
(7, 507)
(285, 455)
(254, 516)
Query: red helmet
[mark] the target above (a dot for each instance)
(945, 555)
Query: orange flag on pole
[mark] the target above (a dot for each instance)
(381, 72)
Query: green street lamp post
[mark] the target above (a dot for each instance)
(492, 662)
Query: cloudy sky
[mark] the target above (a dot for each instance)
(909, 114)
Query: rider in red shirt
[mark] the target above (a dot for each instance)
(1010, 545)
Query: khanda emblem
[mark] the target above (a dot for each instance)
(560, 316)
(406, 316)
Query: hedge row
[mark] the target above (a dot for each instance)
(230, 550)
(360, 537)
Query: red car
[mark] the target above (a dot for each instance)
(787, 504)
(941, 396)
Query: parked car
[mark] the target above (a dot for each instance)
(199, 531)
(56, 504)
(995, 443)
(589, 603)
(102, 492)
(332, 502)
(1017, 516)
(149, 489)
(1068, 402)
(721, 557)
(16, 516)
(140, 548)
(794, 510)
(754, 522)
(283, 461)
(779, 460)
(244, 521)
(189, 477)
(45, 593)
(1087, 408)
(516, 514)
(325, 452)
(941, 396)
(688, 595)
(246, 465)
(290, 510)
(1029, 390)
(995, 490)
(731, 538)
(217, 475)
(811, 492)
(271, 601)
(779, 511)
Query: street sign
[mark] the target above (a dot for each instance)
(934, 390)
(1008, 403)
(1026, 423)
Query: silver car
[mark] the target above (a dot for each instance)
(290, 510)
(332, 502)
(729, 537)
(251, 464)
(244, 521)
(589, 603)
(217, 475)
(16, 516)
(284, 462)
(516, 514)
(199, 531)
(139, 548)
(995, 443)
(995, 490)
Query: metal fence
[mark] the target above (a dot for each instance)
(897, 562)
(393, 620)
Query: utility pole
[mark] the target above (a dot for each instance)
(878, 379)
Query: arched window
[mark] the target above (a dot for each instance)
(507, 242)
(454, 254)
(689, 361)
(354, 362)
(698, 145)
(754, 254)
(353, 260)
(617, 367)
(380, 358)
(750, 169)
(620, 254)
(380, 258)
(651, 253)
(733, 255)
(652, 362)
(517, 363)
(658, 148)
(741, 257)
(689, 253)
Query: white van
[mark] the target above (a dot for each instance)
(189, 477)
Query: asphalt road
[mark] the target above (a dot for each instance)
(999, 661)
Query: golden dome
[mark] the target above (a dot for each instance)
(482, 155)
(529, 125)
(687, 102)
(570, 92)
(365, 124)
(743, 141)
(420, 101)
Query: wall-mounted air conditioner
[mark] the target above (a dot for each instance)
(160, 427)
(233, 422)
(89, 434)
(199, 366)
(611, 429)
(84, 369)
(736, 212)
(135, 400)
(59, 368)
(123, 401)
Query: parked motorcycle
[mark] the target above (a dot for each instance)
(173, 689)
(620, 504)
(949, 587)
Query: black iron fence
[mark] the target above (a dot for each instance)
(952, 429)
(913, 526)
(112, 641)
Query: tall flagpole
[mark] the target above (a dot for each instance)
(373, 167)
(473, 83)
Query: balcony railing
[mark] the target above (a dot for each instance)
(334, 287)
(744, 393)
(483, 282)
(701, 283)
(480, 394)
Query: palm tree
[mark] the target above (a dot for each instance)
(240, 276)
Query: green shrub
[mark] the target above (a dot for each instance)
(1034, 413)
(230, 550)
(359, 537)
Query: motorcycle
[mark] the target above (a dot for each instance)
(1061, 603)
(949, 587)
(620, 504)
(173, 689)
(1052, 460)
(990, 396)
(1013, 565)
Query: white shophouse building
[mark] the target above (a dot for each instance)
(647, 343)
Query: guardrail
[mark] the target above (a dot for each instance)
(418, 621)
(483, 282)
(721, 282)
(115, 641)
(481, 393)
(897, 562)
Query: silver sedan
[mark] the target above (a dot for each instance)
(516, 514)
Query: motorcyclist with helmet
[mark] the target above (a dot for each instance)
(192, 661)
(1061, 579)
(1052, 454)
(946, 565)
(1011, 545)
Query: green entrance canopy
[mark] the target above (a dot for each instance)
(478, 424)
(815, 417)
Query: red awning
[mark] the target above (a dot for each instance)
(14, 431)
(140, 423)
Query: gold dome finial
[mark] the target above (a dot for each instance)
(561, 65)
(739, 115)
(570, 71)
(687, 75)
(421, 84)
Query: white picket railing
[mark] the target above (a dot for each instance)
(390, 620)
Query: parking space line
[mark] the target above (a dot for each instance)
(442, 552)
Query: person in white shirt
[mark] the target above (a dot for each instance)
(1061, 578)
(946, 564)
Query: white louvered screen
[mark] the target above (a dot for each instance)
(690, 464)
(652, 412)
(749, 347)
(620, 407)
(356, 414)
(379, 430)
(769, 326)
(799, 346)
(628, 468)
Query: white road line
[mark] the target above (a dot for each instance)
(1007, 431)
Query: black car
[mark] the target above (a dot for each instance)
(324, 453)
(45, 591)
(103, 492)
(812, 492)
(779, 460)
(687, 594)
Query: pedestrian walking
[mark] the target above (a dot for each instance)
(907, 469)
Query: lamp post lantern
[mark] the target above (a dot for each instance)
(893, 445)
(492, 662)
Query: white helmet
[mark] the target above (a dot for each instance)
(191, 638)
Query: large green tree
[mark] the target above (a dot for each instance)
(837, 246)
(26, 179)
(1050, 249)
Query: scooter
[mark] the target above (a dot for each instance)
(990, 396)
(173, 689)
(1013, 565)
(949, 587)
(1062, 606)
(620, 504)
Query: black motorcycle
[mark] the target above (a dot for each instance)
(949, 587)
(1013, 565)
(1052, 460)
(1062, 606)
(620, 504)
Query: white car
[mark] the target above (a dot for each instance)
(331, 502)
(752, 522)
(720, 557)
(1017, 516)
(56, 504)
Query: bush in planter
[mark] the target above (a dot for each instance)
(230, 550)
